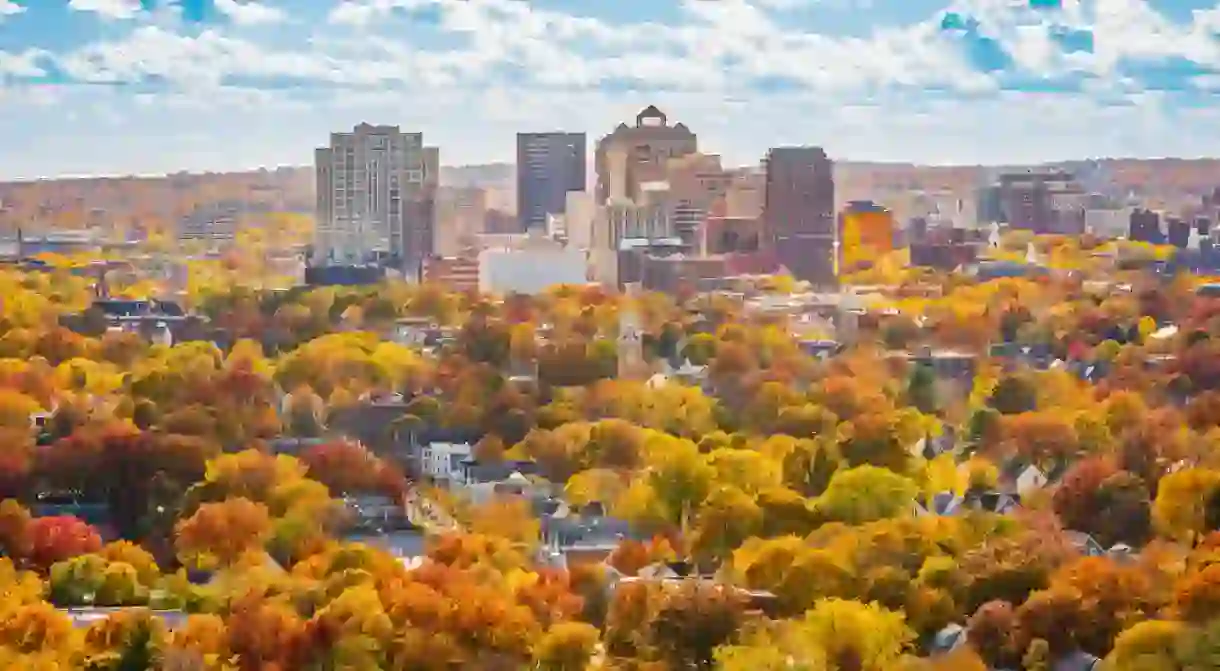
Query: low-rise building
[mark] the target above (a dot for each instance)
(531, 271)
(460, 273)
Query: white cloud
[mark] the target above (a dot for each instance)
(110, 9)
(23, 64)
(9, 8)
(361, 13)
(865, 96)
(250, 13)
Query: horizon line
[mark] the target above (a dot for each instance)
(186, 172)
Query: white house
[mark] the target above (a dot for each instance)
(442, 461)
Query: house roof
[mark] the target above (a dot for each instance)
(1075, 661)
(85, 616)
(949, 638)
(398, 543)
(946, 503)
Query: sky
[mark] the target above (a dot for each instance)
(151, 86)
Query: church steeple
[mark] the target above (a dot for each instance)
(630, 345)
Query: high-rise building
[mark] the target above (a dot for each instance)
(798, 212)
(374, 187)
(631, 156)
(1043, 202)
(696, 181)
(549, 166)
(1145, 226)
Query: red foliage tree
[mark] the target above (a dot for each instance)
(346, 467)
(119, 465)
(1203, 411)
(991, 632)
(1053, 615)
(1200, 363)
(54, 539)
(1073, 500)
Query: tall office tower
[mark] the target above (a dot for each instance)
(371, 188)
(549, 166)
(799, 212)
(631, 156)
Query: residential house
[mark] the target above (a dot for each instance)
(486, 481)
(950, 503)
(292, 446)
(931, 447)
(1020, 476)
(376, 513)
(371, 422)
(1075, 661)
(952, 637)
(676, 574)
(1085, 544)
(584, 537)
(88, 615)
(1038, 356)
(413, 331)
(819, 349)
(683, 372)
(442, 461)
(947, 364)
(404, 545)
(1122, 553)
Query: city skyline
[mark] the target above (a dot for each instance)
(154, 86)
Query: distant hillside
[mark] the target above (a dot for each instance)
(1171, 184)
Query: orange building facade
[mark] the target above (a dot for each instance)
(866, 232)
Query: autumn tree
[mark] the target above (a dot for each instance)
(14, 529)
(220, 533)
(54, 539)
(881, 440)
(992, 633)
(1181, 508)
(1098, 499)
(1106, 597)
(344, 467)
(835, 634)
(1013, 395)
(1045, 438)
(1151, 644)
(121, 466)
(866, 493)
(693, 620)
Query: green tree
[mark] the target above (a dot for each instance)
(866, 493)
(1013, 395)
(921, 389)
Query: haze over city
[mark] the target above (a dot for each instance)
(154, 86)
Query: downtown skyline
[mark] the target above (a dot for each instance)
(155, 86)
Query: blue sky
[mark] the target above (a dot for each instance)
(149, 86)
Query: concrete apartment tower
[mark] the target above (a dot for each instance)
(799, 212)
(549, 166)
(373, 189)
(632, 156)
